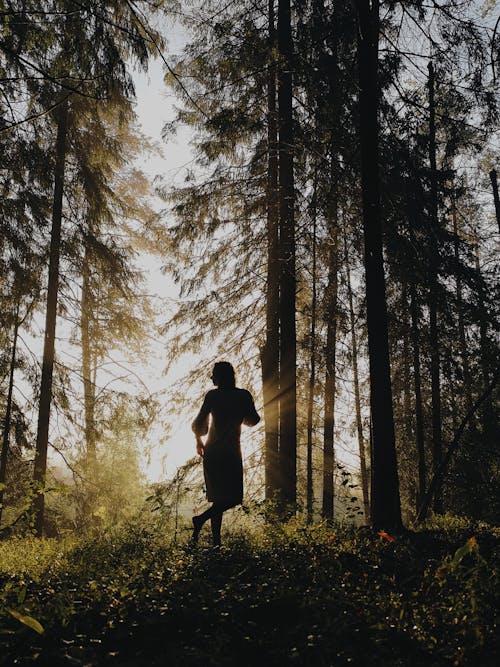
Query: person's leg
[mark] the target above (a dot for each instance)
(211, 513)
(216, 522)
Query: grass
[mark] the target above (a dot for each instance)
(281, 595)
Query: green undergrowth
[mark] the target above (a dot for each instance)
(274, 596)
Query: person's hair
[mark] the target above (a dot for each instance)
(223, 375)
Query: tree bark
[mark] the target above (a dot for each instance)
(42, 437)
(288, 344)
(270, 351)
(385, 502)
(8, 414)
(357, 399)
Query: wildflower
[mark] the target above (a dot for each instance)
(386, 536)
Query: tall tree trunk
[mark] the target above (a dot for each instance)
(357, 399)
(433, 295)
(385, 502)
(42, 437)
(270, 351)
(8, 414)
(331, 293)
(312, 374)
(496, 198)
(288, 343)
(331, 297)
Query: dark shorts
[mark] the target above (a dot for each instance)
(223, 471)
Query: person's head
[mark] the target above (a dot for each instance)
(223, 375)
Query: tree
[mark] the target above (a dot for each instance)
(270, 351)
(70, 58)
(288, 351)
(385, 504)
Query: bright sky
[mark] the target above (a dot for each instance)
(154, 108)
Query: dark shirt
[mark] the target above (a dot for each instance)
(229, 409)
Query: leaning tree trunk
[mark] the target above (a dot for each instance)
(288, 343)
(385, 502)
(437, 447)
(42, 437)
(8, 414)
(270, 350)
(438, 476)
(357, 398)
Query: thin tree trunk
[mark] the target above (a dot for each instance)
(408, 411)
(357, 399)
(331, 296)
(270, 351)
(385, 502)
(433, 296)
(464, 354)
(42, 437)
(415, 340)
(417, 388)
(496, 199)
(8, 414)
(312, 375)
(487, 410)
(288, 343)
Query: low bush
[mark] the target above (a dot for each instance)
(284, 594)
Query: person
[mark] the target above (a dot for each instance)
(223, 412)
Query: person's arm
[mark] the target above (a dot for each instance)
(200, 424)
(251, 417)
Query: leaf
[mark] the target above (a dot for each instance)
(27, 620)
(467, 548)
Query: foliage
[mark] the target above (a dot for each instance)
(291, 594)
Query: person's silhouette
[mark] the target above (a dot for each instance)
(223, 412)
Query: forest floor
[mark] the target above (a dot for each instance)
(287, 596)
